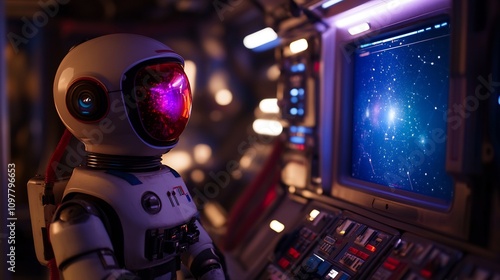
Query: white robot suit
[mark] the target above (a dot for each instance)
(124, 215)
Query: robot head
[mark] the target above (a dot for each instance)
(123, 94)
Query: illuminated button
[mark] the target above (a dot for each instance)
(323, 268)
(345, 227)
(370, 247)
(292, 252)
(284, 263)
(426, 273)
(389, 266)
(362, 255)
(393, 261)
(353, 250)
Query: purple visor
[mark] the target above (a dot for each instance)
(164, 100)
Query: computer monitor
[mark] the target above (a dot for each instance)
(399, 104)
(386, 68)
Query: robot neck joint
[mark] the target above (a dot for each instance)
(124, 163)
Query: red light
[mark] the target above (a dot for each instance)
(353, 250)
(362, 255)
(389, 266)
(292, 252)
(370, 248)
(316, 66)
(426, 273)
(283, 263)
(392, 261)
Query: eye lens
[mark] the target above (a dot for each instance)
(87, 101)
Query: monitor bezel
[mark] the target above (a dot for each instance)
(336, 128)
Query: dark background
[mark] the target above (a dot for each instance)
(208, 33)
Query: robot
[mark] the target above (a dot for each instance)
(124, 215)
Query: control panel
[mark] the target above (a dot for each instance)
(346, 249)
(329, 243)
(414, 257)
(295, 245)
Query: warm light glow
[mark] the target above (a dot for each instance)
(276, 226)
(269, 105)
(259, 38)
(246, 160)
(214, 214)
(359, 28)
(216, 115)
(298, 46)
(294, 174)
(267, 127)
(273, 72)
(190, 70)
(202, 153)
(223, 97)
(177, 159)
(330, 3)
(197, 176)
(314, 213)
(370, 247)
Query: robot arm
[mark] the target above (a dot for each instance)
(202, 260)
(81, 244)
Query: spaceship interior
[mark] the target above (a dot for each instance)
(327, 139)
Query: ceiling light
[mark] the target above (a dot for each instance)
(259, 38)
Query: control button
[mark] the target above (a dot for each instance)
(362, 255)
(284, 263)
(292, 252)
(151, 203)
(353, 250)
(370, 247)
(389, 266)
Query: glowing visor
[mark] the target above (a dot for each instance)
(162, 102)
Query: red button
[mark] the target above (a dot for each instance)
(370, 247)
(292, 252)
(284, 263)
(392, 261)
(362, 255)
(353, 250)
(389, 266)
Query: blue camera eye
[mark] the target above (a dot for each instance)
(87, 101)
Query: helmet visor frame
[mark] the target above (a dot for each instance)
(158, 100)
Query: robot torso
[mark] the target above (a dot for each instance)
(155, 210)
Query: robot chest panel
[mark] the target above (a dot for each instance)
(154, 200)
(155, 210)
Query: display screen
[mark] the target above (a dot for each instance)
(400, 101)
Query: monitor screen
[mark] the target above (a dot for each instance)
(400, 101)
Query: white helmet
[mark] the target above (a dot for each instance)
(123, 94)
